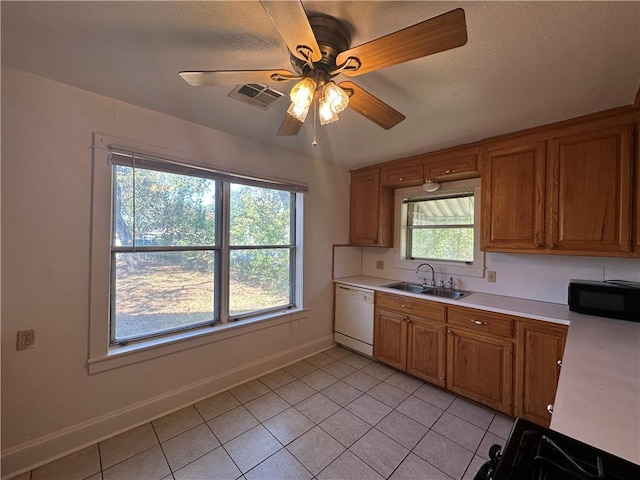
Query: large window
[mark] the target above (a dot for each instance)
(441, 227)
(192, 247)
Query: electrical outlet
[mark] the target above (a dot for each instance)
(26, 339)
(491, 276)
(380, 264)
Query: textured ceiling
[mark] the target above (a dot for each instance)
(525, 64)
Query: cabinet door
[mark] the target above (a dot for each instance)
(453, 165)
(364, 195)
(371, 210)
(540, 349)
(390, 342)
(426, 355)
(402, 174)
(480, 368)
(513, 197)
(589, 180)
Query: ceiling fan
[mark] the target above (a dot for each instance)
(320, 49)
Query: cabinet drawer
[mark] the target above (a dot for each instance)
(480, 321)
(466, 165)
(411, 306)
(402, 175)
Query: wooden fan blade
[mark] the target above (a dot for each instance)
(233, 77)
(291, 21)
(290, 126)
(371, 107)
(438, 34)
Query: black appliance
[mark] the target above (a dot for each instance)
(613, 298)
(535, 452)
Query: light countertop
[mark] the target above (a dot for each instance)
(598, 396)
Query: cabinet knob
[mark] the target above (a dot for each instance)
(550, 408)
(559, 363)
(400, 179)
(478, 322)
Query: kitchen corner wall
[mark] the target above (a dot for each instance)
(50, 404)
(536, 277)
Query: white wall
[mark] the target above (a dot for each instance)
(535, 277)
(50, 404)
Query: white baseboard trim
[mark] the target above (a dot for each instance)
(40, 451)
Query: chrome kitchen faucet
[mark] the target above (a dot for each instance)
(424, 279)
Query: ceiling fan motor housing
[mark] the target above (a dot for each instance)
(332, 37)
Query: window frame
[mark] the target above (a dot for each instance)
(102, 356)
(412, 228)
(444, 267)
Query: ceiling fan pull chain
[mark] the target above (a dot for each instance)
(315, 120)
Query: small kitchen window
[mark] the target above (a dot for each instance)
(441, 227)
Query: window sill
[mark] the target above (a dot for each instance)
(121, 356)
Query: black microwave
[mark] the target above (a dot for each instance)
(613, 298)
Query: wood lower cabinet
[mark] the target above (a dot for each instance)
(426, 350)
(480, 357)
(410, 336)
(539, 358)
(507, 363)
(390, 338)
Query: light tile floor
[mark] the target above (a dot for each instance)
(336, 415)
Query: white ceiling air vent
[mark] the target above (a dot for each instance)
(257, 95)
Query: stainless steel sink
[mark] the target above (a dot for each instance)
(453, 294)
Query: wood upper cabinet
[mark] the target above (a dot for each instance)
(402, 174)
(410, 336)
(589, 191)
(513, 197)
(539, 356)
(452, 165)
(371, 210)
(480, 357)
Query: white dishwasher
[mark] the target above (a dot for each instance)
(354, 318)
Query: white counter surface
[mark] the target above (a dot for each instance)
(598, 396)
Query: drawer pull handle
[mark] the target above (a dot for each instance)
(478, 322)
(449, 171)
(410, 307)
(550, 408)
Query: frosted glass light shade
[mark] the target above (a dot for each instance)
(302, 93)
(299, 113)
(327, 115)
(335, 97)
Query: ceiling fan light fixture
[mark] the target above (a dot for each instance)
(335, 97)
(299, 113)
(302, 93)
(326, 114)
